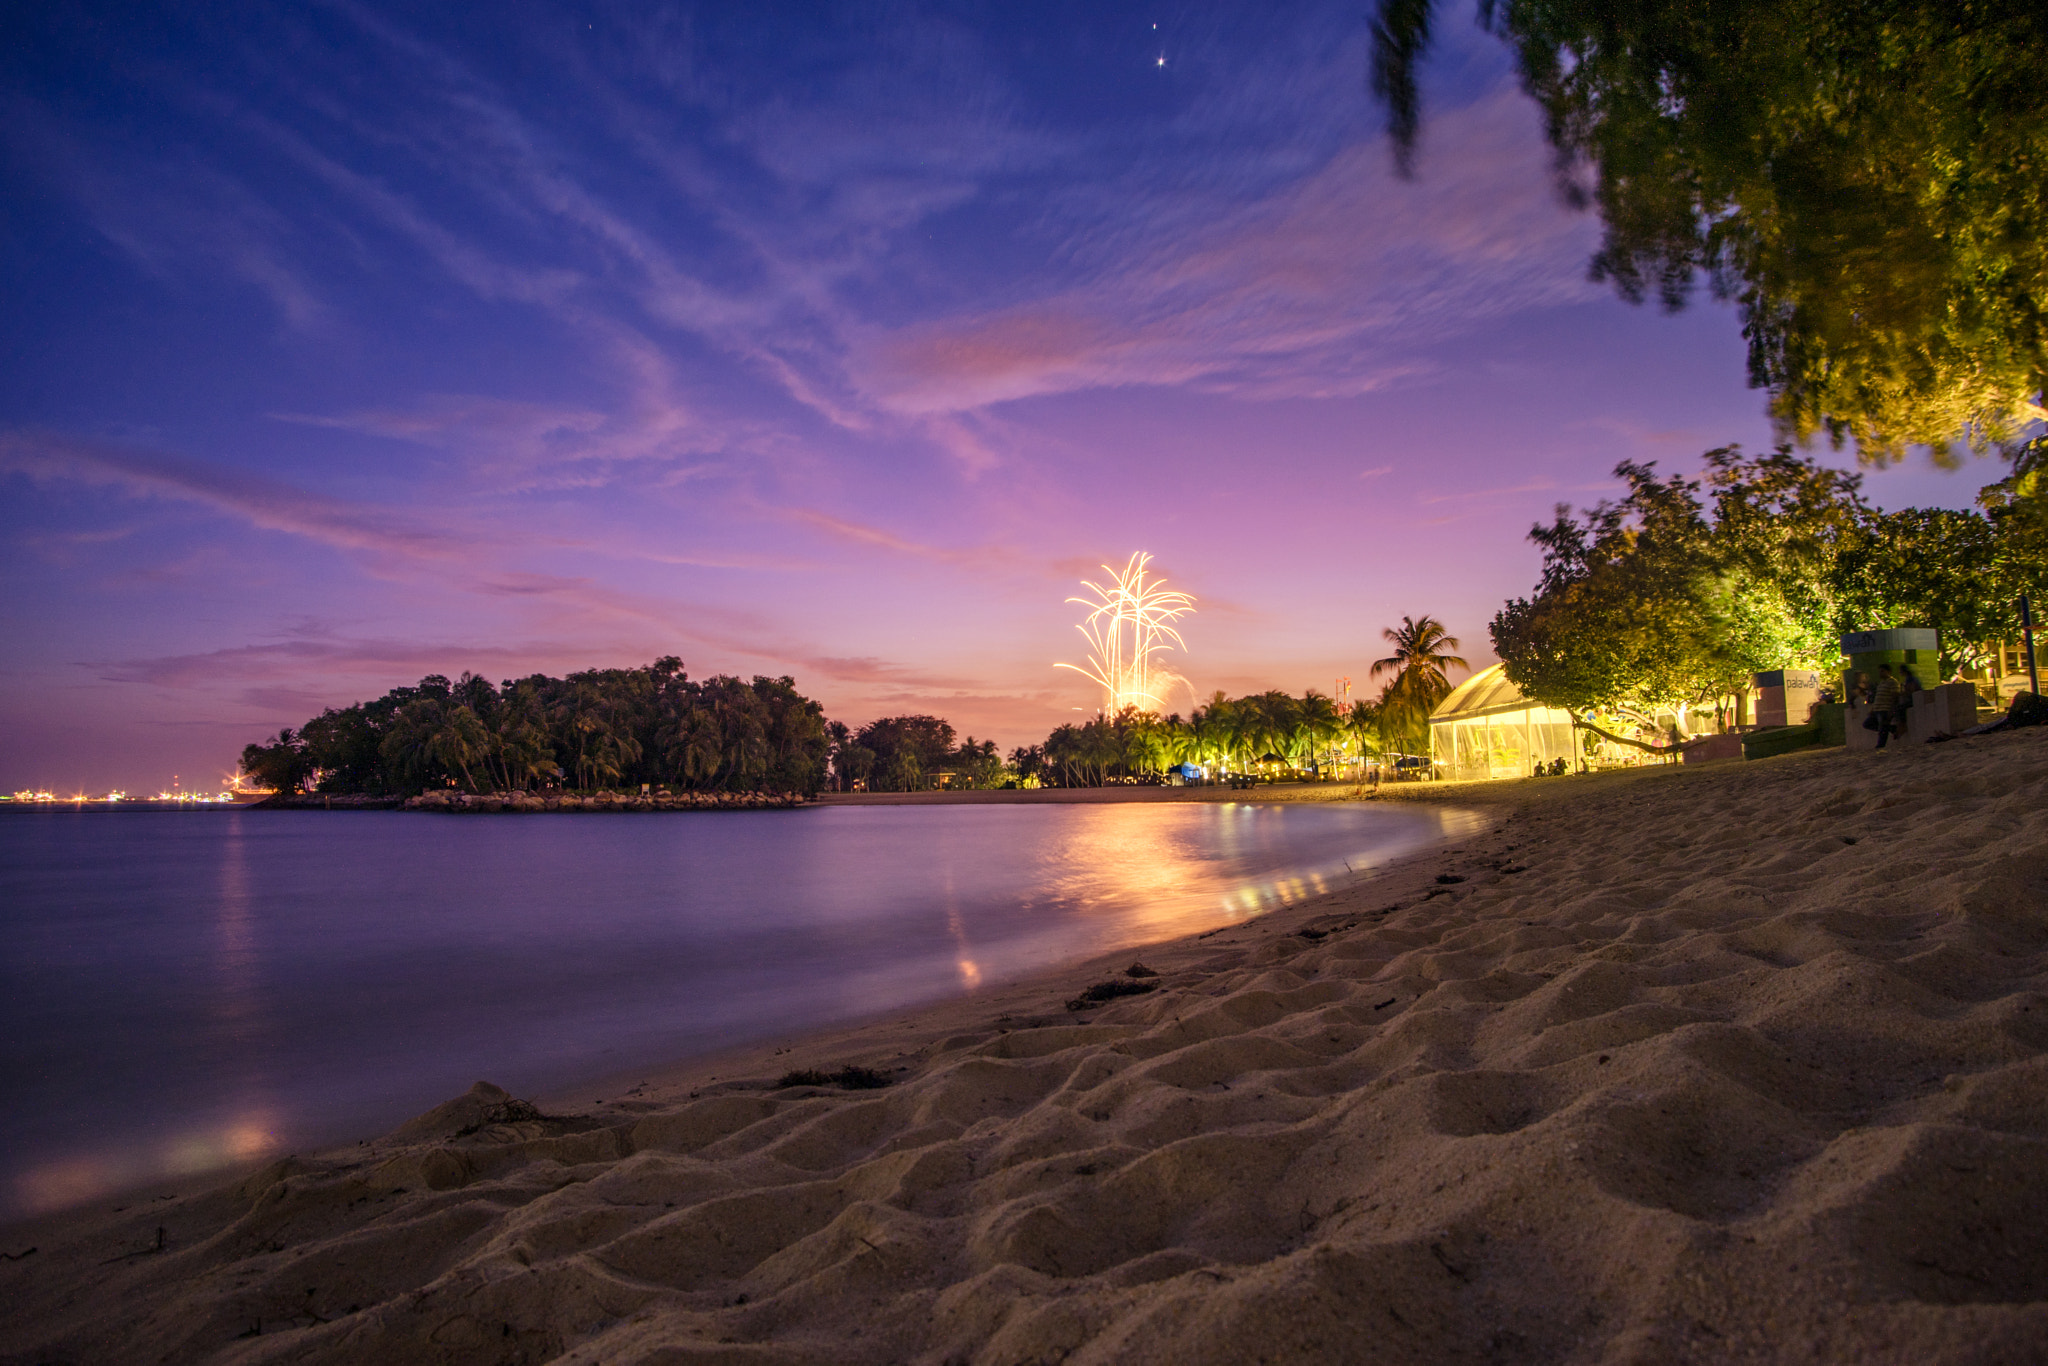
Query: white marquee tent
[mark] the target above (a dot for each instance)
(1487, 729)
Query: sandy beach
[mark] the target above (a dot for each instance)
(1742, 1062)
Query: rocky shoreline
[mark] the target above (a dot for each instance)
(481, 803)
(489, 802)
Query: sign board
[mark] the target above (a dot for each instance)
(1801, 679)
(1883, 642)
(1785, 697)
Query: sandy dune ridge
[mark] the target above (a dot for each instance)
(1733, 1064)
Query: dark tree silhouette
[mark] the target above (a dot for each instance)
(599, 728)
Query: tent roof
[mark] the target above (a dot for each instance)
(1483, 694)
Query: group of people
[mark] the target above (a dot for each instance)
(1889, 697)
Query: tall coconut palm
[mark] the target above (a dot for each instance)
(461, 741)
(1421, 655)
(523, 752)
(1177, 740)
(1275, 731)
(408, 744)
(691, 744)
(1059, 753)
(1362, 722)
(1215, 729)
(1317, 724)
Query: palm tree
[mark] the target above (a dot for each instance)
(1061, 749)
(1127, 733)
(739, 722)
(1171, 740)
(691, 744)
(907, 773)
(408, 744)
(460, 740)
(1317, 724)
(1421, 655)
(524, 755)
(1213, 729)
(1029, 763)
(1363, 723)
(1275, 729)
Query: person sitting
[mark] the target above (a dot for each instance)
(1884, 703)
(1909, 684)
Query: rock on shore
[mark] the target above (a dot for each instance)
(491, 802)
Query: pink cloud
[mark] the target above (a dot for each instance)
(860, 533)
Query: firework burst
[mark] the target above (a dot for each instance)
(1130, 620)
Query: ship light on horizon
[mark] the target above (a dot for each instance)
(1129, 622)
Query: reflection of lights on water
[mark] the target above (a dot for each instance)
(1256, 898)
(1165, 887)
(44, 797)
(75, 1180)
(1167, 879)
(970, 971)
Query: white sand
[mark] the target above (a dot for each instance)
(1745, 1063)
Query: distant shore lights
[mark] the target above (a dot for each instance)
(1130, 621)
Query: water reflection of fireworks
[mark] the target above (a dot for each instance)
(1132, 622)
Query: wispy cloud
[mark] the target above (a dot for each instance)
(392, 541)
(1478, 495)
(1321, 292)
(876, 537)
(1643, 434)
(177, 218)
(261, 502)
(315, 662)
(338, 661)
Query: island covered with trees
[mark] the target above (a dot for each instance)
(599, 730)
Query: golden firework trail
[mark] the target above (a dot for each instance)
(1129, 621)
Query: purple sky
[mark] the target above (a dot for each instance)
(346, 344)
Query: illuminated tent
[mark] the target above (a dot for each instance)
(1487, 729)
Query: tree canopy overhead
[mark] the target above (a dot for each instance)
(1865, 178)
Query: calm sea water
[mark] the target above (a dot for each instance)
(180, 990)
